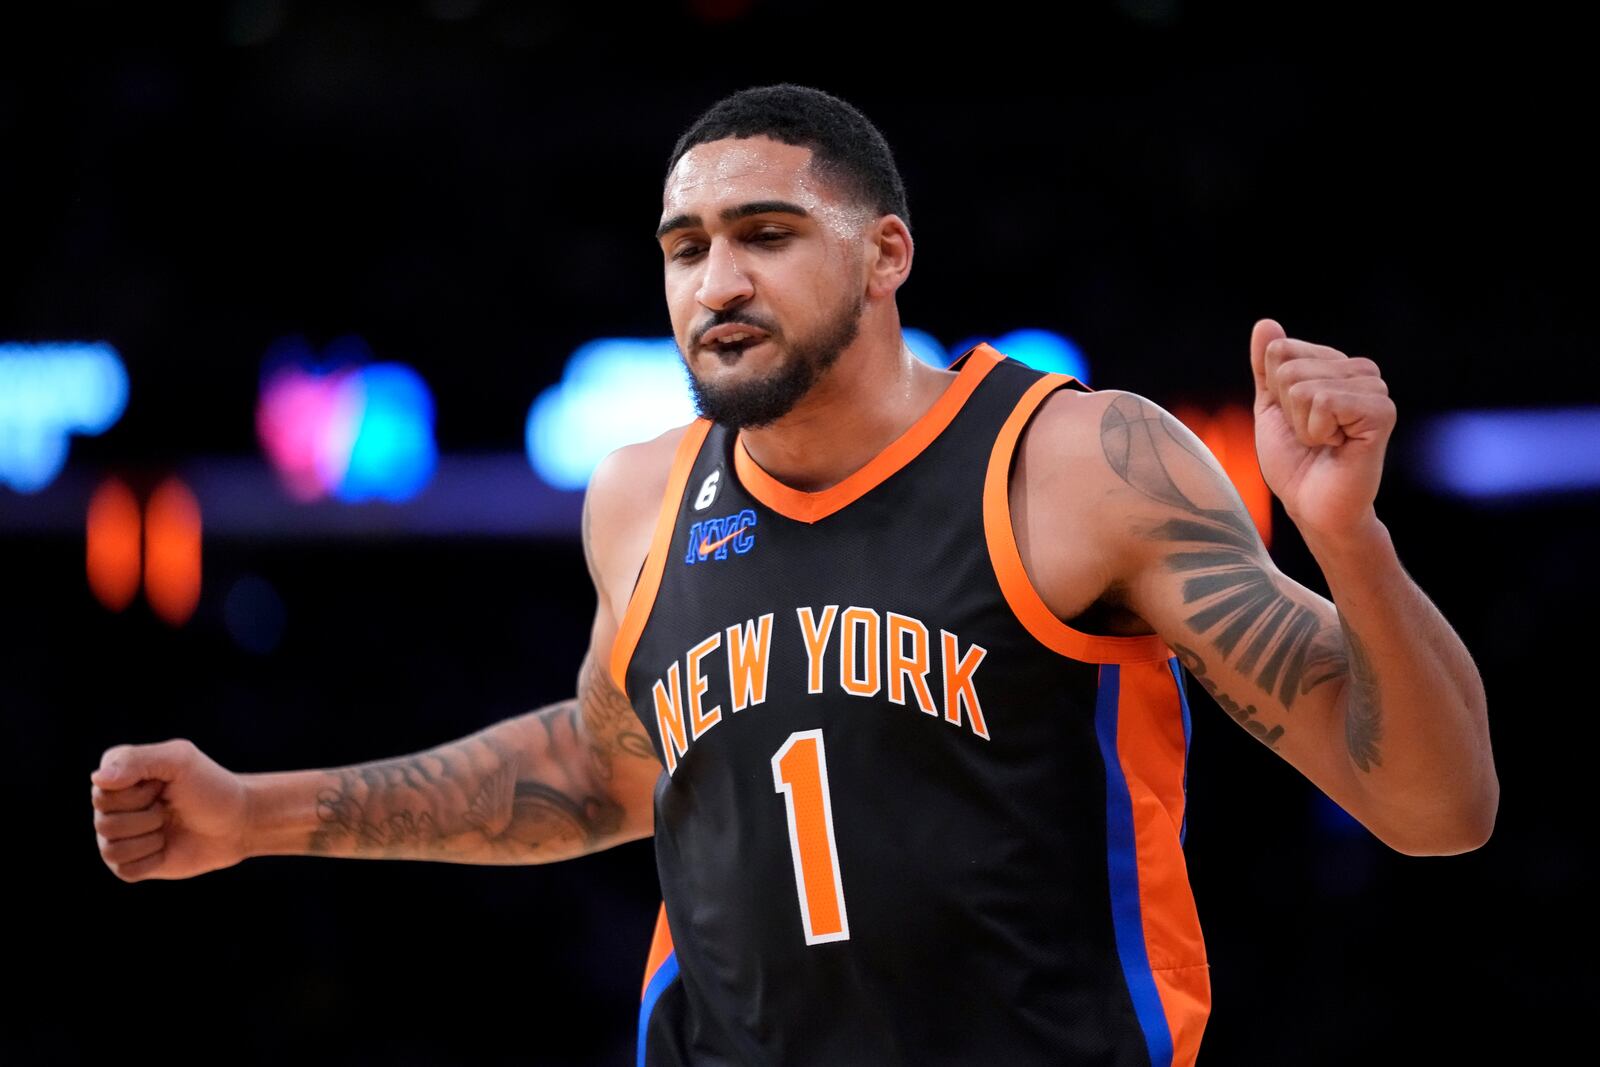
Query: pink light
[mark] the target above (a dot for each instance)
(307, 424)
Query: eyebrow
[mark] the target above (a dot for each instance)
(734, 214)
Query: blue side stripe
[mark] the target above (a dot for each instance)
(1123, 867)
(652, 993)
(1183, 702)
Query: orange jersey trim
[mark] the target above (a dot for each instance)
(809, 507)
(660, 949)
(1151, 748)
(1026, 603)
(644, 593)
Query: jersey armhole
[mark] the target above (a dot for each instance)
(1026, 603)
(648, 583)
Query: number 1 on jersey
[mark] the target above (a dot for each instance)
(800, 773)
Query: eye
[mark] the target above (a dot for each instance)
(771, 239)
(689, 251)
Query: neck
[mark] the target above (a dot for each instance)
(864, 402)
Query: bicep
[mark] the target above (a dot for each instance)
(620, 757)
(1269, 651)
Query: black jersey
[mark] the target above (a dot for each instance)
(908, 816)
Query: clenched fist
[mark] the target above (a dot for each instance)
(1323, 421)
(167, 811)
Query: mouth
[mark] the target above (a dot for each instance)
(732, 337)
(729, 349)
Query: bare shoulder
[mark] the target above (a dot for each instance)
(620, 508)
(1110, 454)
(1066, 426)
(1089, 426)
(1074, 508)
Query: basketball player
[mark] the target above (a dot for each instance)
(890, 661)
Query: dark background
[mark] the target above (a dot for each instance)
(471, 187)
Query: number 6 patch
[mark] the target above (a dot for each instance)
(708, 490)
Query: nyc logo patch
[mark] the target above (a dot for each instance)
(711, 538)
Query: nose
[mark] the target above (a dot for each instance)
(724, 283)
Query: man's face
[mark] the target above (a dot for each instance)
(751, 237)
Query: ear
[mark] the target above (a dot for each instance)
(889, 251)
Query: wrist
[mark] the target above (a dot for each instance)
(1357, 540)
(280, 812)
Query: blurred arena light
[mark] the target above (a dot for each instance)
(1331, 819)
(50, 390)
(927, 348)
(254, 614)
(1043, 350)
(172, 552)
(113, 532)
(1496, 454)
(343, 426)
(614, 391)
(394, 454)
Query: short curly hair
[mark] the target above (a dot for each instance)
(846, 148)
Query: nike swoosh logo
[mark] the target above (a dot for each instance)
(707, 549)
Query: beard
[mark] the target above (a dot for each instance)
(765, 400)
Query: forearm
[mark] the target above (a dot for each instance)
(1415, 714)
(520, 791)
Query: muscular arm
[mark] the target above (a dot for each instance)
(564, 780)
(1371, 696)
(526, 790)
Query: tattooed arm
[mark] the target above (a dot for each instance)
(532, 789)
(1398, 740)
(565, 780)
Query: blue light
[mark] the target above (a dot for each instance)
(926, 347)
(614, 391)
(1488, 454)
(344, 426)
(1332, 819)
(1046, 351)
(1039, 349)
(394, 454)
(48, 391)
(254, 614)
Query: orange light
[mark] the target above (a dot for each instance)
(172, 552)
(113, 544)
(1231, 435)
